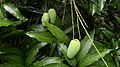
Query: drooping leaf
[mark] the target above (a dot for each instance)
(35, 46)
(86, 44)
(53, 51)
(11, 51)
(31, 57)
(12, 33)
(38, 28)
(58, 33)
(93, 8)
(14, 11)
(41, 36)
(109, 60)
(89, 59)
(56, 65)
(46, 61)
(93, 56)
(6, 22)
(2, 12)
(101, 3)
(63, 49)
(12, 58)
(68, 30)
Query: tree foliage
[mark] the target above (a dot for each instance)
(26, 42)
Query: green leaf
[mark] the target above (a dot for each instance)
(2, 52)
(118, 57)
(101, 3)
(92, 8)
(63, 49)
(107, 33)
(11, 51)
(31, 57)
(11, 33)
(58, 22)
(37, 27)
(86, 44)
(35, 46)
(109, 60)
(11, 64)
(93, 56)
(56, 65)
(14, 11)
(58, 33)
(68, 30)
(12, 58)
(118, 52)
(46, 61)
(2, 12)
(41, 36)
(118, 19)
(6, 22)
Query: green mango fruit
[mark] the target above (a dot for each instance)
(73, 48)
(52, 15)
(45, 18)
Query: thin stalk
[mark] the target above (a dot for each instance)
(88, 34)
(64, 13)
(81, 17)
(72, 20)
(78, 28)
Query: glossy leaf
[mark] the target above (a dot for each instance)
(46, 61)
(41, 36)
(93, 8)
(63, 49)
(12, 58)
(58, 33)
(11, 33)
(86, 44)
(2, 12)
(56, 65)
(31, 57)
(35, 46)
(14, 11)
(11, 51)
(91, 58)
(101, 3)
(37, 27)
(6, 22)
(109, 60)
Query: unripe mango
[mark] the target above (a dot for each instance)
(45, 18)
(52, 14)
(73, 48)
